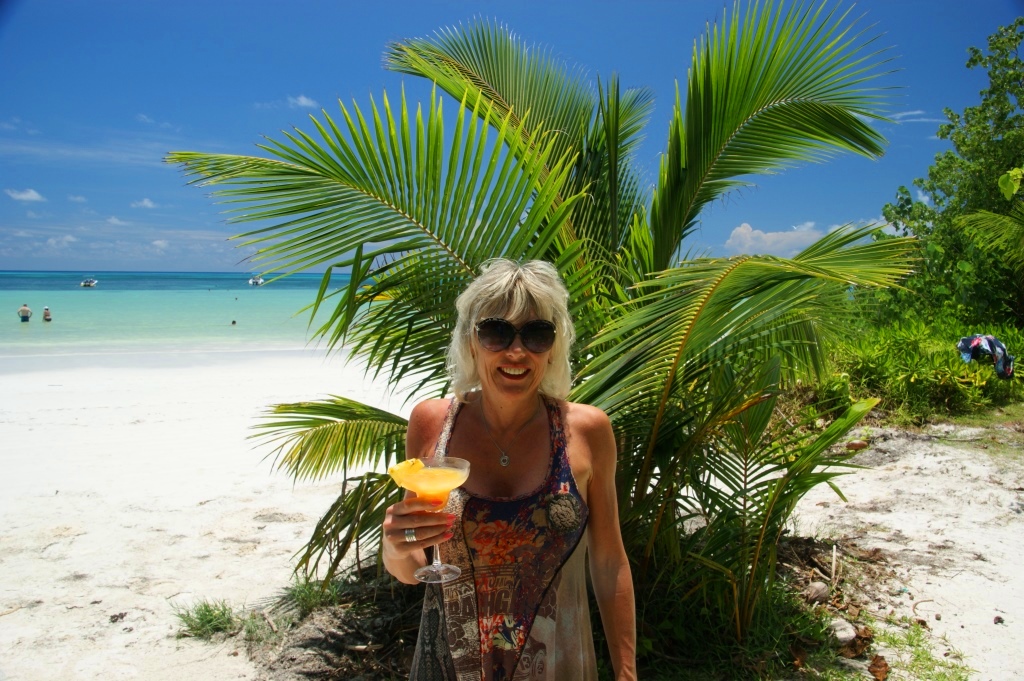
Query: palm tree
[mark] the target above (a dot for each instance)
(685, 355)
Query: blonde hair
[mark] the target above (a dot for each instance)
(514, 291)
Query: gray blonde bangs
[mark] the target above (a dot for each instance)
(516, 292)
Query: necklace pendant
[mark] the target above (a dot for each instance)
(503, 460)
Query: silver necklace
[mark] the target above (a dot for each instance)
(504, 460)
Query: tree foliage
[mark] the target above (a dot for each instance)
(961, 276)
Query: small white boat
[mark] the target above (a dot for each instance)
(89, 282)
(256, 280)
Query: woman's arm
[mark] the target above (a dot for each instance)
(609, 566)
(402, 557)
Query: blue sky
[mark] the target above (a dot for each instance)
(93, 94)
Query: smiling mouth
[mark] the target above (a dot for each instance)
(514, 372)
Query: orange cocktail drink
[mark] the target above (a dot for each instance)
(432, 479)
(435, 483)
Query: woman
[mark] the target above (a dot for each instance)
(540, 499)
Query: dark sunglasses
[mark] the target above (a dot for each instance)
(497, 334)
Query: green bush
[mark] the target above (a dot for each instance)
(916, 371)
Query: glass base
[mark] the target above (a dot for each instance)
(436, 574)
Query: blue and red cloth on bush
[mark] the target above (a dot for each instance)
(974, 347)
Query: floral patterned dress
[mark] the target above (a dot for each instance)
(519, 608)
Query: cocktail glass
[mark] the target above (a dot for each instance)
(435, 481)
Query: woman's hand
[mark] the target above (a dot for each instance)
(401, 555)
(402, 558)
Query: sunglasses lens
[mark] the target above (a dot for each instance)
(495, 334)
(538, 336)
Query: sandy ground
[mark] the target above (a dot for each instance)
(127, 488)
(946, 507)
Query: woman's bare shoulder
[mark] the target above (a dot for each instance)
(584, 418)
(425, 423)
(429, 412)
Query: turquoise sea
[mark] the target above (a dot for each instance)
(149, 311)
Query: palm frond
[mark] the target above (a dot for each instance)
(350, 526)
(601, 129)
(485, 60)
(1004, 233)
(764, 93)
(714, 311)
(393, 204)
(318, 438)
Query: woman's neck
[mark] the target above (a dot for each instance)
(506, 415)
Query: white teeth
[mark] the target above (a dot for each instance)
(514, 372)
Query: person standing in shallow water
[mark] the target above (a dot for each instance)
(25, 313)
(539, 505)
(47, 317)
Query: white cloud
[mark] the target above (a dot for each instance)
(161, 243)
(132, 152)
(113, 220)
(923, 198)
(32, 215)
(76, 199)
(903, 114)
(61, 241)
(302, 101)
(746, 239)
(26, 195)
(916, 116)
(143, 118)
(144, 203)
(22, 233)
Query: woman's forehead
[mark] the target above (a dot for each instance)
(517, 317)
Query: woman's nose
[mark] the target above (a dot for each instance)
(517, 347)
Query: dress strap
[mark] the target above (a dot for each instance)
(441, 448)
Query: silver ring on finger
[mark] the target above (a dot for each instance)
(410, 534)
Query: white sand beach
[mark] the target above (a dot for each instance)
(127, 487)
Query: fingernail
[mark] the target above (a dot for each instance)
(451, 519)
(447, 535)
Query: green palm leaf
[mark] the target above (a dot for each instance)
(487, 61)
(764, 93)
(350, 526)
(385, 197)
(713, 311)
(749, 491)
(1004, 233)
(601, 129)
(316, 439)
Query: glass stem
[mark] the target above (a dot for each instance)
(437, 556)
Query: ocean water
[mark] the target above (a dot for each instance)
(147, 311)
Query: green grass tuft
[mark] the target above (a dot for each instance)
(913, 647)
(206, 618)
(308, 594)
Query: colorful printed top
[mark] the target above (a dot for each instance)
(519, 610)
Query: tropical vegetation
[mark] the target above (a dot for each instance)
(966, 276)
(970, 278)
(687, 355)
